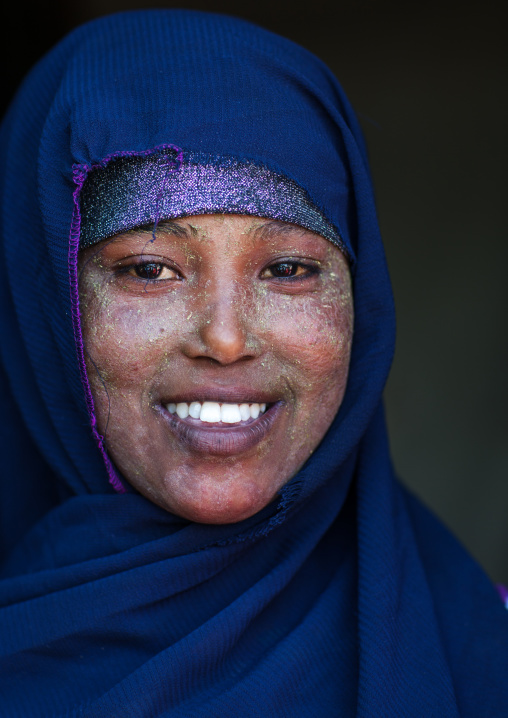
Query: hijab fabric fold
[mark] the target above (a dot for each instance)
(344, 596)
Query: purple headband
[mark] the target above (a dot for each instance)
(134, 190)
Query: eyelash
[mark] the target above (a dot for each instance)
(309, 270)
(134, 270)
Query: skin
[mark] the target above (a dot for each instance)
(200, 308)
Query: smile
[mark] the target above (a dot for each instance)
(213, 412)
(221, 429)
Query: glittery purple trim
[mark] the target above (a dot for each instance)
(503, 592)
(136, 191)
(80, 173)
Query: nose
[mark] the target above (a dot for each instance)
(221, 332)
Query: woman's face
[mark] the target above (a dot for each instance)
(222, 316)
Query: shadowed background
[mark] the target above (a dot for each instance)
(428, 83)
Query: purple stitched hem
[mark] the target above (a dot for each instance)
(80, 173)
(503, 592)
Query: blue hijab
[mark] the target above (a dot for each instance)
(344, 596)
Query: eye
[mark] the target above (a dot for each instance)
(152, 271)
(288, 270)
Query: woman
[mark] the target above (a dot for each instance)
(186, 205)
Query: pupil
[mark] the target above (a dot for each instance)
(149, 271)
(284, 269)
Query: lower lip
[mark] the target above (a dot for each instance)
(220, 439)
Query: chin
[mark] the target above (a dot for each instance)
(216, 503)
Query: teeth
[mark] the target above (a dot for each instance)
(244, 411)
(182, 410)
(195, 409)
(212, 412)
(230, 414)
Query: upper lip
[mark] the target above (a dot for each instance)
(223, 395)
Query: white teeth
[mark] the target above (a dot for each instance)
(182, 410)
(244, 411)
(230, 414)
(254, 411)
(195, 409)
(212, 412)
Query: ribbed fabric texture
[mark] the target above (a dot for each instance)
(345, 597)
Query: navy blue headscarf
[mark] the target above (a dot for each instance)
(344, 596)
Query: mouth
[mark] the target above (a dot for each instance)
(221, 428)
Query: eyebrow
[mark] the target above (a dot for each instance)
(275, 227)
(267, 229)
(166, 226)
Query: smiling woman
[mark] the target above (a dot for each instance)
(217, 350)
(199, 515)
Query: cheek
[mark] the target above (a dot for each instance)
(128, 342)
(312, 337)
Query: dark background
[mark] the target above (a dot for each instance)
(428, 82)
